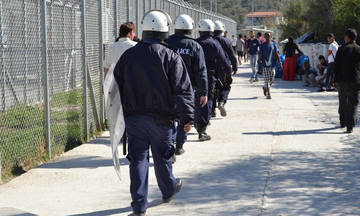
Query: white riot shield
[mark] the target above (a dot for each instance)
(115, 115)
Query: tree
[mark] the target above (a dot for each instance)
(320, 18)
(347, 15)
(295, 15)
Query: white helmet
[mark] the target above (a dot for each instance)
(156, 20)
(206, 25)
(184, 22)
(219, 26)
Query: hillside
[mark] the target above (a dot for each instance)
(237, 9)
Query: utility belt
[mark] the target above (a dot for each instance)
(163, 121)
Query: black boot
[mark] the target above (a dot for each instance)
(204, 137)
(349, 130)
(177, 190)
(202, 134)
(213, 114)
(179, 149)
(222, 109)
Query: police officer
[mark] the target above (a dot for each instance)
(155, 90)
(214, 57)
(194, 59)
(224, 90)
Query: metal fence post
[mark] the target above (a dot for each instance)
(128, 11)
(84, 66)
(73, 35)
(26, 51)
(169, 9)
(101, 69)
(116, 18)
(46, 78)
(0, 168)
(137, 17)
(144, 7)
(2, 68)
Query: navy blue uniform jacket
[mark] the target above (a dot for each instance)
(229, 51)
(193, 56)
(214, 55)
(153, 81)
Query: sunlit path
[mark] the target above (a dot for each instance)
(285, 156)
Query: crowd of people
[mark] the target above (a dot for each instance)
(338, 71)
(163, 85)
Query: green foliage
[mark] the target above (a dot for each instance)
(346, 15)
(22, 141)
(22, 131)
(295, 13)
(73, 97)
(22, 116)
(320, 17)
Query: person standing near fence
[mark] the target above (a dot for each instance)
(122, 43)
(233, 42)
(111, 91)
(240, 48)
(194, 59)
(347, 80)
(246, 55)
(253, 45)
(333, 48)
(290, 60)
(259, 37)
(155, 90)
(214, 58)
(229, 52)
(268, 56)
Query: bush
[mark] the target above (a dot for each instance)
(22, 132)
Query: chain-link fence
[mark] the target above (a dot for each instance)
(51, 54)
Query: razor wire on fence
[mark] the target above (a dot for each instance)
(51, 69)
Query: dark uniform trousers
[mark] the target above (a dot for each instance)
(348, 102)
(203, 114)
(330, 75)
(180, 135)
(224, 93)
(221, 95)
(144, 132)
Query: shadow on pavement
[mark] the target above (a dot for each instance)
(233, 187)
(105, 140)
(250, 98)
(297, 132)
(300, 183)
(118, 210)
(79, 161)
(324, 183)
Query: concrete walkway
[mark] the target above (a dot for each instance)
(284, 156)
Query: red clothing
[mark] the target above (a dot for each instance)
(289, 69)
